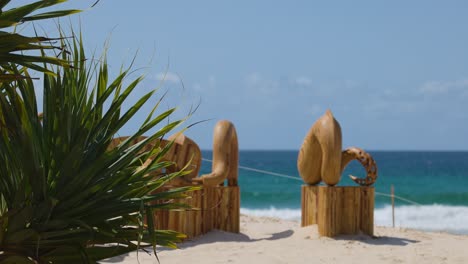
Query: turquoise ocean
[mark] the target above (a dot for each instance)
(434, 183)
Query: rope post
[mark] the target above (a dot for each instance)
(392, 194)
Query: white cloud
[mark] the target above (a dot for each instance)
(440, 88)
(303, 81)
(206, 86)
(434, 88)
(253, 79)
(168, 77)
(385, 108)
(257, 83)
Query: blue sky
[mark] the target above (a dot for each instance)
(394, 73)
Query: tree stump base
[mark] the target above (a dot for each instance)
(338, 210)
(213, 208)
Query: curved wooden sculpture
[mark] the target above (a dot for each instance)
(225, 156)
(183, 150)
(219, 206)
(321, 157)
(148, 147)
(366, 161)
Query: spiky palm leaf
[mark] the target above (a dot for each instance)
(64, 196)
(13, 44)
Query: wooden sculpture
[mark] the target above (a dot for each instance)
(215, 206)
(366, 161)
(147, 147)
(321, 157)
(183, 151)
(336, 210)
(225, 156)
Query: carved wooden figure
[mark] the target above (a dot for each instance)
(183, 151)
(225, 156)
(366, 161)
(336, 210)
(215, 206)
(320, 155)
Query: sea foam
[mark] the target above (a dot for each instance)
(285, 213)
(452, 219)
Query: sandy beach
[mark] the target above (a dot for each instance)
(271, 240)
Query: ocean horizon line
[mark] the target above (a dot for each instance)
(369, 150)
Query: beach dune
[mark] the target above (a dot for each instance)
(271, 240)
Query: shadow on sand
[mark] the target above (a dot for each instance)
(210, 237)
(221, 236)
(378, 240)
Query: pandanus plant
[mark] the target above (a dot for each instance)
(65, 196)
(12, 44)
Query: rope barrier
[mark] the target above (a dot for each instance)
(271, 173)
(299, 179)
(398, 197)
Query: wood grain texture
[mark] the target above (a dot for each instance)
(320, 155)
(338, 210)
(366, 160)
(225, 156)
(183, 151)
(213, 208)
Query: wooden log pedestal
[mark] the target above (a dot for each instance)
(213, 208)
(338, 210)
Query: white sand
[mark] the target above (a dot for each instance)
(268, 240)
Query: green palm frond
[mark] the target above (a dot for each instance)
(12, 45)
(64, 195)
